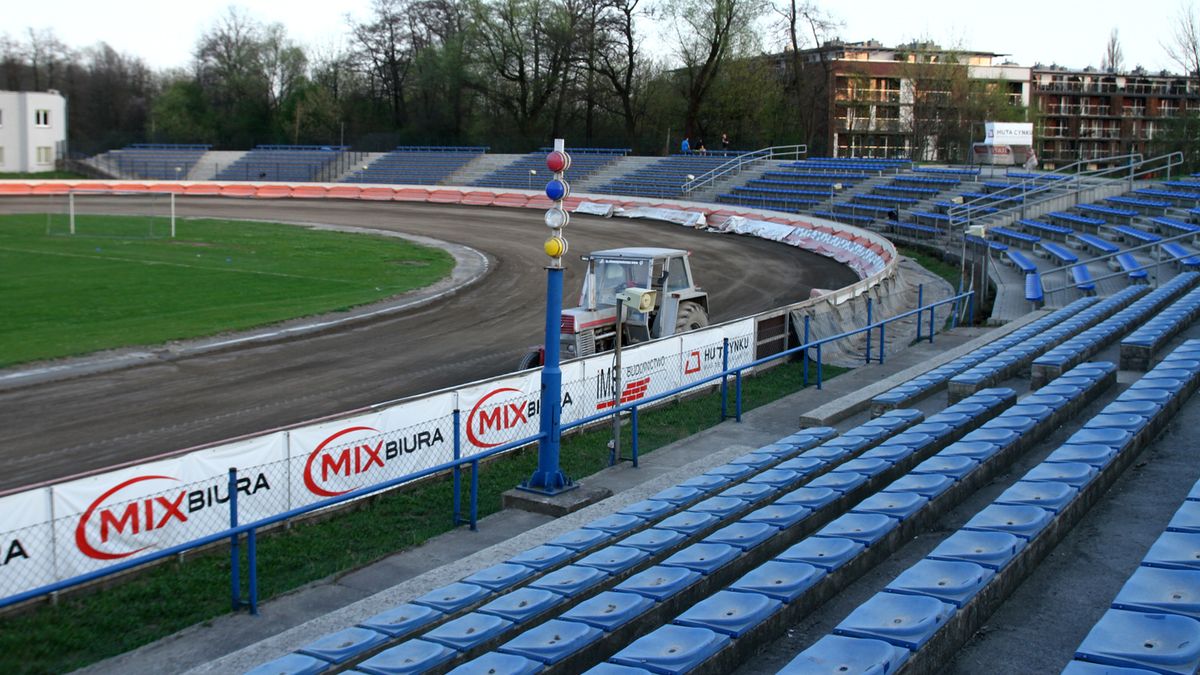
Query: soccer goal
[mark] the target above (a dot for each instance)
(111, 213)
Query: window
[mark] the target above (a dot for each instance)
(45, 154)
(41, 118)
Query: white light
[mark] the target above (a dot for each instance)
(533, 172)
(691, 177)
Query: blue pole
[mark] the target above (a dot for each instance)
(235, 581)
(931, 310)
(457, 470)
(883, 340)
(474, 495)
(920, 304)
(738, 394)
(549, 478)
(805, 352)
(868, 330)
(818, 366)
(633, 431)
(252, 553)
(724, 378)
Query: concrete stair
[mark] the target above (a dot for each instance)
(480, 167)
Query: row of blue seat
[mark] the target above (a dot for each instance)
(1088, 343)
(934, 379)
(1061, 254)
(1138, 349)
(949, 170)
(1014, 237)
(1143, 205)
(1135, 270)
(937, 603)
(1134, 235)
(1018, 357)
(1019, 261)
(1049, 230)
(885, 631)
(1076, 219)
(1109, 211)
(928, 180)
(1180, 255)
(1096, 244)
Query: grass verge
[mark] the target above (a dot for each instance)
(88, 628)
(934, 264)
(43, 175)
(121, 282)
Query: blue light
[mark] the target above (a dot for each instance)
(557, 189)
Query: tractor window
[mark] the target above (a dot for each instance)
(677, 280)
(613, 276)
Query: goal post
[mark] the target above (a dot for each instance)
(112, 213)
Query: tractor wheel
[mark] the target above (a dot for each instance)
(531, 360)
(691, 316)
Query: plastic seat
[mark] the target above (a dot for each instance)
(955, 466)
(659, 582)
(742, 534)
(1016, 423)
(721, 507)
(730, 613)
(291, 664)
(841, 655)
(903, 620)
(705, 482)
(688, 522)
(911, 440)
(752, 492)
(499, 577)
(865, 465)
(993, 434)
(615, 523)
(801, 465)
(1076, 474)
(648, 509)
(580, 539)
(1186, 518)
(542, 557)
(412, 656)
(841, 481)
(780, 516)
(522, 604)
(778, 477)
(976, 450)
(1091, 454)
(401, 620)
(552, 641)
(989, 549)
(468, 631)
(614, 559)
(704, 558)
(867, 528)
(451, 598)
(731, 472)
(899, 505)
(927, 484)
(672, 649)
(496, 663)
(1175, 550)
(1126, 421)
(609, 610)
(828, 553)
(756, 460)
(570, 580)
(779, 579)
(1045, 494)
(889, 452)
(1152, 589)
(810, 497)
(825, 453)
(653, 540)
(951, 581)
(1164, 643)
(1085, 668)
(1024, 521)
(677, 495)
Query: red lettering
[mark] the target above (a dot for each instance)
(518, 415)
(373, 457)
(340, 464)
(128, 517)
(173, 510)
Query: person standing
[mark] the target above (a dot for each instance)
(685, 146)
(724, 141)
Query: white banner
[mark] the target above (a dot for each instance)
(508, 409)
(1008, 133)
(685, 218)
(27, 545)
(703, 350)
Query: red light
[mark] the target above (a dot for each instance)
(558, 161)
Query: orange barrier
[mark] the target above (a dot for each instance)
(478, 198)
(273, 192)
(238, 190)
(445, 197)
(15, 189)
(160, 187)
(510, 199)
(379, 194)
(345, 192)
(310, 191)
(539, 202)
(202, 189)
(51, 189)
(411, 195)
(131, 187)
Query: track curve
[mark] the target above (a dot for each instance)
(58, 429)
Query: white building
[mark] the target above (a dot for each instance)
(33, 130)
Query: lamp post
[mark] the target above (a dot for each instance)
(549, 479)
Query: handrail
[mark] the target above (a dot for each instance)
(1104, 258)
(962, 213)
(473, 461)
(740, 161)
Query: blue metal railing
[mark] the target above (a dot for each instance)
(237, 529)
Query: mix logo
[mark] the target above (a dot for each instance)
(487, 422)
(355, 451)
(129, 522)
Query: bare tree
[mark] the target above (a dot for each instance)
(386, 51)
(1183, 46)
(806, 84)
(619, 61)
(1114, 58)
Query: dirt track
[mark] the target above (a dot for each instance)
(63, 428)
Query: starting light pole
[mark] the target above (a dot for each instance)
(549, 479)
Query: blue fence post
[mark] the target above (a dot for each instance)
(971, 307)
(869, 322)
(931, 329)
(882, 340)
(920, 306)
(474, 495)
(235, 580)
(457, 469)
(252, 555)
(818, 365)
(738, 394)
(724, 379)
(804, 352)
(633, 431)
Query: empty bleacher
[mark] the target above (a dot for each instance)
(665, 178)
(517, 174)
(301, 163)
(416, 165)
(156, 161)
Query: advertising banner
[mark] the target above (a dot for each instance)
(27, 544)
(1008, 133)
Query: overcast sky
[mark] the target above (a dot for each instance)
(1048, 31)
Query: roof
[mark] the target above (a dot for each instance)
(638, 252)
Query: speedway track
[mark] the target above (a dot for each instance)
(63, 428)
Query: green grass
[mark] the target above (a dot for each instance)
(43, 175)
(88, 628)
(933, 263)
(112, 285)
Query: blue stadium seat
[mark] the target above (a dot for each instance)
(951, 581)
(826, 552)
(903, 620)
(499, 664)
(344, 644)
(779, 579)
(672, 649)
(552, 641)
(522, 604)
(412, 656)
(730, 613)
(839, 655)
(1163, 643)
(659, 582)
(291, 664)
(609, 610)
(452, 598)
(1157, 590)
(989, 549)
(401, 620)
(468, 631)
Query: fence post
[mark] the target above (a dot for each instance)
(920, 305)
(457, 468)
(252, 554)
(804, 353)
(633, 430)
(724, 378)
(971, 307)
(474, 495)
(738, 395)
(931, 329)
(235, 581)
(882, 341)
(818, 365)
(868, 360)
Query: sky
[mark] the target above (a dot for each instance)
(1068, 33)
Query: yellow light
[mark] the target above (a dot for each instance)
(555, 247)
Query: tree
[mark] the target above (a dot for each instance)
(1114, 59)
(620, 63)
(1183, 47)
(807, 85)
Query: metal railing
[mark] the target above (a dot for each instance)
(743, 161)
(1153, 248)
(455, 467)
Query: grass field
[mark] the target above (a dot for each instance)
(113, 286)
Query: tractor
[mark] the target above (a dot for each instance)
(590, 328)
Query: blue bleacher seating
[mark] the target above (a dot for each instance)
(1096, 244)
(292, 163)
(584, 163)
(160, 161)
(416, 165)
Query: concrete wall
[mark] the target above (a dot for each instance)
(33, 130)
